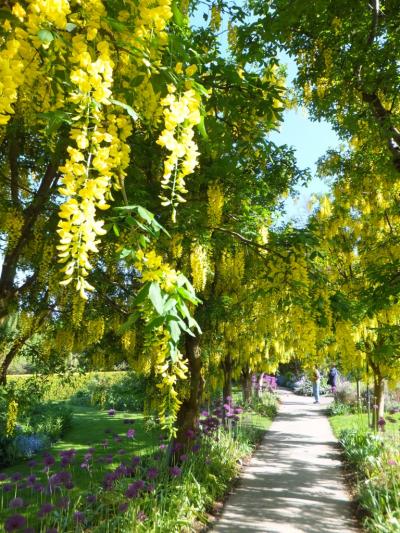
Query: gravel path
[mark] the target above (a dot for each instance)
(294, 483)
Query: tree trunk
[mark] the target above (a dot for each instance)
(227, 367)
(379, 401)
(246, 385)
(188, 416)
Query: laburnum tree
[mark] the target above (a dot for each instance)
(346, 54)
(359, 235)
(80, 81)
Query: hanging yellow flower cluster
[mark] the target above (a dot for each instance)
(216, 202)
(12, 413)
(181, 114)
(199, 266)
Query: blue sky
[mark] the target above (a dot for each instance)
(310, 141)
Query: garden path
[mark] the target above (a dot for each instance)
(294, 483)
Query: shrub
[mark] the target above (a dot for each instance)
(345, 394)
(265, 404)
(125, 394)
(376, 461)
(304, 386)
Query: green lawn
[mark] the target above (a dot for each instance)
(360, 421)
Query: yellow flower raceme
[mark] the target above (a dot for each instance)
(181, 114)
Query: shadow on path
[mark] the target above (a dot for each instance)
(294, 482)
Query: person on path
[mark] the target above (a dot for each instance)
(333, 378)
(316, 378)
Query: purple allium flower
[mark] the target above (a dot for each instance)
(84, 465)
(228, 399)
(152, 473)
(32, 463)
(69, 485)
(38, 487)
(196, 447)
(51, 530)
(79, 517)
(135, 460)
(175, 471)
(32, 530)
(392, 462)
(8, 487)
(139, 484)
(191, 434)
(204, 413)
(48, 461)
(111, 412)
(45, 509)
(130, 433)
(141, 516)
(131, 491)
(31, 479)
(88, 456)
(121, 452)
(123, 507)
(163, 446)
(16, 503)
(91, 450)
(63, 502)
(177, 446)
(108, 459)
(183, 457)
(15, 522)
(381, 421)
(91, 498)
(3, 476)
(16, 476)
(238, 410)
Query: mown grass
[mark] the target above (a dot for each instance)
(359, 421)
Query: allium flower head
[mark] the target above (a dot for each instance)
(16, 476)
(141, 516)
(152, 473)
(16, 503)
(111, 412)
(15, 522)
(3, 476)
(79, 517)
(91, 498)
(175, 471)
(130, 433)
(123, 507)
(45, 509)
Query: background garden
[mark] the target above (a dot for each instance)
(148, 271)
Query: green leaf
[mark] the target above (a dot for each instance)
(45, 36)
(6, 14)
(131, 112)
(155, 323)
(174, 330)
(116, 230)
(179, 18)
(70, 26)
(142, 294)
(188, 296)
(202, 129)
(126, 326)
(156, 297)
